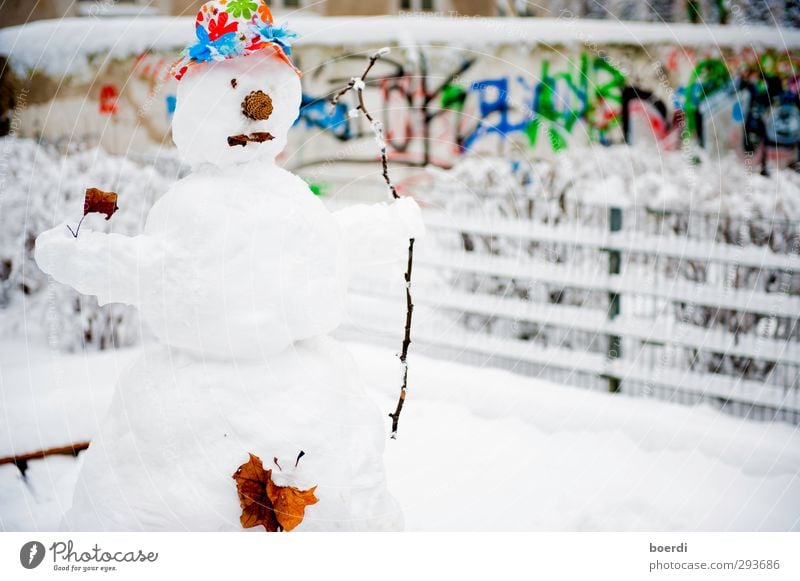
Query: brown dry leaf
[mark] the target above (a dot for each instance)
(265, 503)
(290, 503)
(98, 201)
(251, 483)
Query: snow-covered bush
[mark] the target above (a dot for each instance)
(39, 188)
(667, 181)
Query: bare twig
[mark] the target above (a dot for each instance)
(357, 84)
(21, 460)
(77, 229)
(373, 58)
(406, 341)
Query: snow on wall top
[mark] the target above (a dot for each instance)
(68, 46)
(65, 47)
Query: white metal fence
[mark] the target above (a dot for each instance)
(688, 307)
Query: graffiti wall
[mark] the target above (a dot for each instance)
(439, 103)
(443, 103)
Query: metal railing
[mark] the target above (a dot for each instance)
(688, 307)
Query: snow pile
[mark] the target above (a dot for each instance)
(71, 47)
(40, 187)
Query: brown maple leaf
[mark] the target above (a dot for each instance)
(290, 503)
(98, 201)
(251, 483)
(265, 503)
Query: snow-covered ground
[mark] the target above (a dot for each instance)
(478, 449)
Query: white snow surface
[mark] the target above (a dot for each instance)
(477, 449)
(64, 47)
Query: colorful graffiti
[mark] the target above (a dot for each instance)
(554, 105)
(412, 116)
(745, 102)
(548, 109)
(108, 99)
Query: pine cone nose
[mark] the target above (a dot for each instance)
(257, 106)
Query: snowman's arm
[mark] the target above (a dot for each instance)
(379, 233)
(105, 265)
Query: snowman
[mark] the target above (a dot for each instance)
(241, 274)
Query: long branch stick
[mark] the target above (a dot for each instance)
(21, 460)
(406, 341)
(357, 84)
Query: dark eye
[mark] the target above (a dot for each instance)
(233, 83)
(257, 106)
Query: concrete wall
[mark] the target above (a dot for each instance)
(438, 103)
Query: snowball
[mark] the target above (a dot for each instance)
(379, 233)
(209, 109)
(179, 427)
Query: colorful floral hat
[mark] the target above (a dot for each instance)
(230, 28)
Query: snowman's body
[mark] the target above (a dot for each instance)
(241, 273)
(264, 263)
(180, 426)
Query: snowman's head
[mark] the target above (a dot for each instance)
(236, 110)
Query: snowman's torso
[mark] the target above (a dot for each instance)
(254, 262)
(180, 426)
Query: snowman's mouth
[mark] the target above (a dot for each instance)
(243, 140)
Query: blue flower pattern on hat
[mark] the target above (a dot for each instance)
(207, 49)
(279, 35)
(234, 28)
